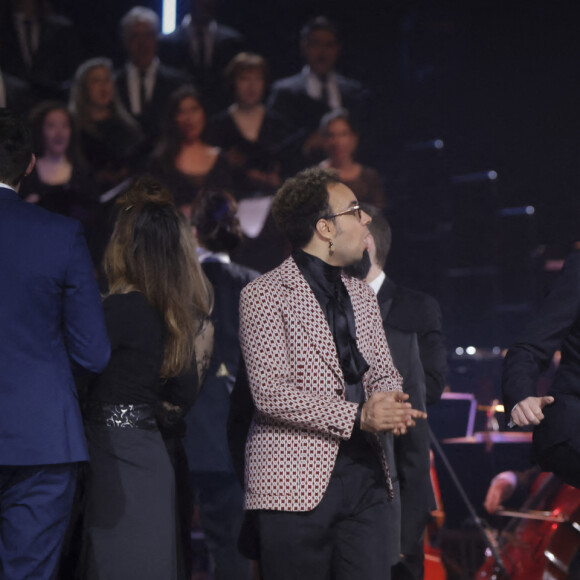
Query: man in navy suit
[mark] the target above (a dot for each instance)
(304, 98)
(50, 315)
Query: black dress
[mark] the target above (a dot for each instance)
(185, 188)
(277, 146)
(130, 526)
(77, 198)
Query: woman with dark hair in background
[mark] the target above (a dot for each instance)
(61, 182)
(157, 312)
(216, 488)
(340, 143)
(111, 140)
(252, 137)
(183, 160)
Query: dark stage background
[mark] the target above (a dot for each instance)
(496, 82)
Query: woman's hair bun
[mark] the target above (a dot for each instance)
(144, 190)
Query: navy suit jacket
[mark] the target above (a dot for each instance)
(206, 443)
(50, 314)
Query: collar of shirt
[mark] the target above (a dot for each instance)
(207, 256)
(378, 282)
(134, 84)
(7, 186)
(314, 87)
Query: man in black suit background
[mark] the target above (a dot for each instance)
(304, 98)
(39, 46)
(412, 322)
(555, 327)
(144, 84)
(202, 47)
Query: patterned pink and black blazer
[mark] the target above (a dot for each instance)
(298, 387)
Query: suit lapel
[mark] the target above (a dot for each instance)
(305, 306)
(385, 298)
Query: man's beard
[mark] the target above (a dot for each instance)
(361, 268)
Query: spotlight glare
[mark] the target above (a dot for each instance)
(459, 351)
(169, 13)
(471, 350)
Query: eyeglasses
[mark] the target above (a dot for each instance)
(353, 209)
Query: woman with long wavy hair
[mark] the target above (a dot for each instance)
(157, 312)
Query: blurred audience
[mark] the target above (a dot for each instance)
(183, 161)
(252, 137)
(340, 143)
(111, 140)
(61, 182)
(202, 47)
(38, 45)
(14, 93)
(144, 84)
(305, 97)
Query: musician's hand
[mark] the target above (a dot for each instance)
(529, 411)
(500, 489)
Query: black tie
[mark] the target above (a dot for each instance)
(324, 89)
(201, 51)
(142, 90)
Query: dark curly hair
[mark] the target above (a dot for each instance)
(214, 216)
(301, 202)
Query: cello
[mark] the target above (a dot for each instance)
(542, 541)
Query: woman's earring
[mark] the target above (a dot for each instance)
(330, 246)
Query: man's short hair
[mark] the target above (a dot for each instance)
(301, 202)
(15, 147)
(319, 23)
(139, 14)
(380, 230)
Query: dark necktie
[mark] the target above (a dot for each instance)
(142, 90)
(201, 49)
(324, 89)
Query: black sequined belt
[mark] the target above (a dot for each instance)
(122, 416)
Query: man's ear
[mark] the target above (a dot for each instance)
(324, 228)
(30, 165)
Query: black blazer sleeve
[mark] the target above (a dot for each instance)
(555, 326)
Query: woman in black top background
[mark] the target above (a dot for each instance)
(157, 310)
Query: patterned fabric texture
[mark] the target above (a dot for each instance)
(298, 387)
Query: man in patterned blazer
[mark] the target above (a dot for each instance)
(323, 384)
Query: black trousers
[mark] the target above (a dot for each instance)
(343, 538)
